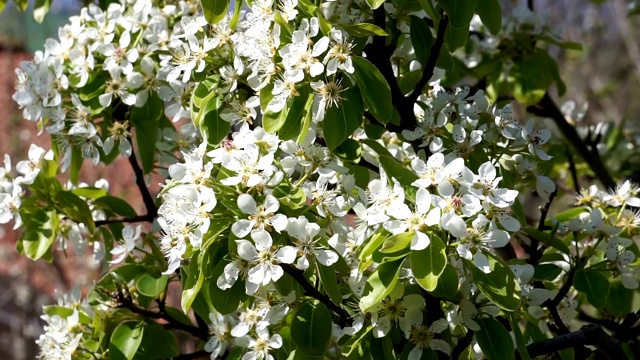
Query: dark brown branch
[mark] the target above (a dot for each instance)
(430, 65)
(462, 344)
(574, 172)
(310, 290)
(171, 322)
(552, 305)
(590, 334)
(194, 355)
(147, 198)
(135, 219)
(548, 108)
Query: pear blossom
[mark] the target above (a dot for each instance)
(260, 217)
(264, 258)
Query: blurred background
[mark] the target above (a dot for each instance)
(605, 75)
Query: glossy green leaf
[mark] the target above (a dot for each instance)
(349, 150)
(460, 13)
(374, 4)
(397, 242)
(145, 120)
(448, 283)
(341, 121)
(214, 10)
(151, 286)
(40, 10)
(490, 13)
(494, 340)
(428, 264)
(330, 283)
(374, 88)
(115, 204)
(290, 119)
(620, 300)
(311, 328)
(76, 208)
(41, 229)
(157, 343)
(533, 75)
(500, 285)
(193, 282)
(125, 340)
(421, 39)
(236, 14)
(363, 30)
(380, 284)
(595, 286)
(228, 300)
(397, 171)
(214, 129)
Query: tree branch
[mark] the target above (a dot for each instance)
(590, 334)
(135, 219)
(149, 201)
(430, 65)
(548, 108)
(310, 290)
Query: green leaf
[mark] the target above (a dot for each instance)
(3, 3)
(447, 283)
(214, 10)
(193, 282)
(494, 340)
(565, 215)
(226, 301)
(363, 30)
(620, 300)
(349, 150)
(380, 283)
(76, 208)
(546, 272)
(460, 13)
(115, 204)
(397, 242)
(398, 171)
(500, 285)
(421, 39)
(214, 129)
(89, 192)
(145, 120)
(330, 283)
(594, 285)
(533, 75)
(236, 14)
(288, 120)
(374, 4)
(157, 343)
(150, 286)
(490, 13)
(125, 340)
(311, 328)
(521, 343)
(21, 4)
(428, 264)
(40, 231)
(341, 121)
(40, 9)
(374, 88)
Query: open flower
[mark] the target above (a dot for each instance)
(264, 258)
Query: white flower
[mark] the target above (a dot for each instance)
(415, 222)
(260, 346)
(535, 139)
(393, 310)
(264, 257)
(306, 241)
(485, 186)
(260, 217)
(339, 55)
(423, 336)
(29, 169)
(129, 235)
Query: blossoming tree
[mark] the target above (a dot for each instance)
(331, 187)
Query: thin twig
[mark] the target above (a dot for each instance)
(430, 65)
(590, 334)
(310, 290)
(574, 172)
(134, 219)
(548, 108)
(147, 198)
